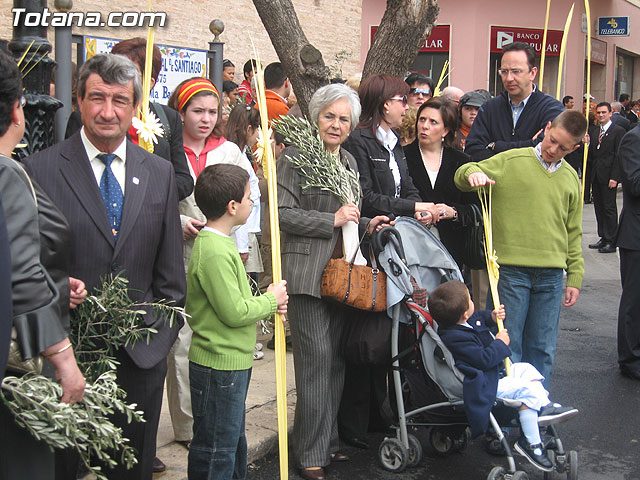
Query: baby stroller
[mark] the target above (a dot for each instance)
(416, 263)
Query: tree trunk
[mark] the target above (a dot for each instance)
(403, 29)
(302, 61)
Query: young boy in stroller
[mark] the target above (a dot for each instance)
(480, 357)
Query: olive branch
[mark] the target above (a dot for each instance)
(319, 167)
(106, 321)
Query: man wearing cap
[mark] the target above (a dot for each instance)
(470, 103)
(420, 89)
(517, 117)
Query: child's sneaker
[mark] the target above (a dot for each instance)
(555, 413)
(534, 453)
(258, 347)
(258, 355)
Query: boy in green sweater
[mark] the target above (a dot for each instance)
(537, 233)
(223, 318)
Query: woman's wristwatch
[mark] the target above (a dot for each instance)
(455, 214)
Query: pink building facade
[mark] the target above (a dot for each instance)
(471, 33)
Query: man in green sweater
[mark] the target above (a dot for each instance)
(223, 318)
(537, 233)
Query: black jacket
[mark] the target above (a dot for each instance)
(445, 191)
(169, 146)
(629, 227)
(606, 165)
(494, 123)
(620, 120)
(376, 179)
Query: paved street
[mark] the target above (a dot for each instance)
(606, 434)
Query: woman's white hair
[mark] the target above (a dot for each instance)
(325, 96)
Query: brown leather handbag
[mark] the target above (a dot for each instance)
(357, 286)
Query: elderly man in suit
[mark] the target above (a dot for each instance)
(602, 153)
(618, 118)
(122, 206)
(628, 240)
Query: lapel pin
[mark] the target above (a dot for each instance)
(135, 180)
(478, 323)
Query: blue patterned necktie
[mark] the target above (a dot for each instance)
(111, 194)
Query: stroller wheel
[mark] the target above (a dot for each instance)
(572, 467)
(551, 454)
(462, 441)
(520, 475)
(415, 451)
(496, 473)
(440, 442)
(392, 455)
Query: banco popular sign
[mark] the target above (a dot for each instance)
(503, 36)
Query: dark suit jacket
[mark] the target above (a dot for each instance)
(444, 191)
(620, 120)
(306, 221)
(6, 314)
(479, 357)
(605, 161)
(376, 179)
(169, 146)
(149, 248)
(628, 235)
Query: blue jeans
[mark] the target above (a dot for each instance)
(219, 446)
(532, 298)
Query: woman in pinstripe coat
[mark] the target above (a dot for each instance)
(311, 221)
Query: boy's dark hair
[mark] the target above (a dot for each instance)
(566, 99)
(274, 76)
(10, 90)
(573, 122)
(448, 302)
(216, 186)
(228, 86)
(522, 47)
(249, 66)
(623, 97)
(604, 104)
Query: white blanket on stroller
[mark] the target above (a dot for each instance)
(524, 384)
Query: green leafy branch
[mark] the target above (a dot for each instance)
(106, 321)
(109, 320)
(34, 401)
(319, 167)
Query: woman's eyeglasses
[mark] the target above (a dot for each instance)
(400, 98)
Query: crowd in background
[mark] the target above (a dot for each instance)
(406, 145)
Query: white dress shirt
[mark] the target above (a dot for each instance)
(98, 166)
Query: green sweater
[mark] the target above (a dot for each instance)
(223, 310)
(537, 215)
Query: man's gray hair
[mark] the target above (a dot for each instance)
(325, 96)
(616, 106)
(113, 69)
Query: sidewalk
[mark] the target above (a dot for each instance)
(261, 421)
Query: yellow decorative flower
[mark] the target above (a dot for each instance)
(148, 129)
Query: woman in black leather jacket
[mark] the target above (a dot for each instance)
(41, 288)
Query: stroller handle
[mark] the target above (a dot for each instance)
(385, 235)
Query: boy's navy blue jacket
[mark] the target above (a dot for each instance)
(478, 356)
(494, 123)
